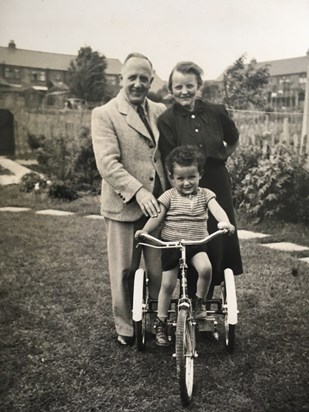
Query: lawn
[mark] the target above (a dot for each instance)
(58, 348)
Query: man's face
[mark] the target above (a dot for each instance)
(136, 79)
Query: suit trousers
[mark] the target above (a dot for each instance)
(123, 260)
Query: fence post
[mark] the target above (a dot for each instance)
(286, 137)
(304, 133)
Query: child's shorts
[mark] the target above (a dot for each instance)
(170, 257)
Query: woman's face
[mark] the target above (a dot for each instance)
(184, 89)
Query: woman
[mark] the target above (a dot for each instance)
(193, 121)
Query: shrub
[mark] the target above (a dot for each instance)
(277, 187)
(239, 164)
(31, 180)
(60, 190)
(85, 174)
(35, 141)
(64, 160)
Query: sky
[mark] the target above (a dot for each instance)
(212, 33)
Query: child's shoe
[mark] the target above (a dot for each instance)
(199, 308)
(161, 333)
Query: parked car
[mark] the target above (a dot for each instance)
(76, 104)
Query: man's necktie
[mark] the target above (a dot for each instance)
(157, 190)
(144, 119)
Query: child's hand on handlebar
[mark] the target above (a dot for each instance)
(226, 225)
(138, 234)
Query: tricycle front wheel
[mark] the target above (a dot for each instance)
(185, 354)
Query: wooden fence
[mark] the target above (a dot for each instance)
(269, 128)
(258, 128)
(50, 123)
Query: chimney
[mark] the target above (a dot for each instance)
(12, 45)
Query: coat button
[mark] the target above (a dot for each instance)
(151, 179)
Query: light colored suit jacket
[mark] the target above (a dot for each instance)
(126, 156)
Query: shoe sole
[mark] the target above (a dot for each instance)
(163, 344)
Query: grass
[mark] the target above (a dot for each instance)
(58, 349)
(4, 171)
(12, 196)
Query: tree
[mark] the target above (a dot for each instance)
(86, 75)
(244, 85)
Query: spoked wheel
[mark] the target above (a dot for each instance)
(139, 308)
(185, 353)
(230, 306)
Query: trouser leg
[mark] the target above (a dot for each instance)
(123, 260)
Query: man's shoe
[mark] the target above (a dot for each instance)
(212, 336)
(161, 333)
(200, 309)
(125, 340)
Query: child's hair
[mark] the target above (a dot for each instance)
(186, 155)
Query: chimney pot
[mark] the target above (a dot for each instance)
(12, 44)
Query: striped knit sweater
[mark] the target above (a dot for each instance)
(186, 216)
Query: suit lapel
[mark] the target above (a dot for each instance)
(153, 120)
(133, 119)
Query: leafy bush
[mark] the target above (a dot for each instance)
(60, 190)
(31, 180)
(35, 141)
(85, 174)
(65, 160)
(239, 164)
(276, 186)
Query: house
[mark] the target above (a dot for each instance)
(44, 70)
(287, 85)
(288, 78)
(34, 97)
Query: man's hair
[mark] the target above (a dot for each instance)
(137, 55)
(184, 68)
(186, 155)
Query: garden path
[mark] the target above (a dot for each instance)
(17, 170)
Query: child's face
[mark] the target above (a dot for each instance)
(185, 179)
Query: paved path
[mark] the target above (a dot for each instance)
(17, 169)
(242, 234)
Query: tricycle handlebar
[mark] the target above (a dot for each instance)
(161, 244)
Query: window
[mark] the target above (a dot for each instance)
(302, 79)
(38, 76)
(8, 73)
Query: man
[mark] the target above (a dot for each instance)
(125, 146)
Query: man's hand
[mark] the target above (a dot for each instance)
(147, 202)
(227, 225)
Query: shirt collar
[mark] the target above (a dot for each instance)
(198, 108)
(134, 106)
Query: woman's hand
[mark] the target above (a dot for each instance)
(228, 226)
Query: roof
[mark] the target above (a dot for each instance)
(286, 66)
(47, 60)
(57, 61)
(282, 67)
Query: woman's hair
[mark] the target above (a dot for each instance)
(186, 155)
(184, 68)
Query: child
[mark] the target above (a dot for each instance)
(184, 213)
